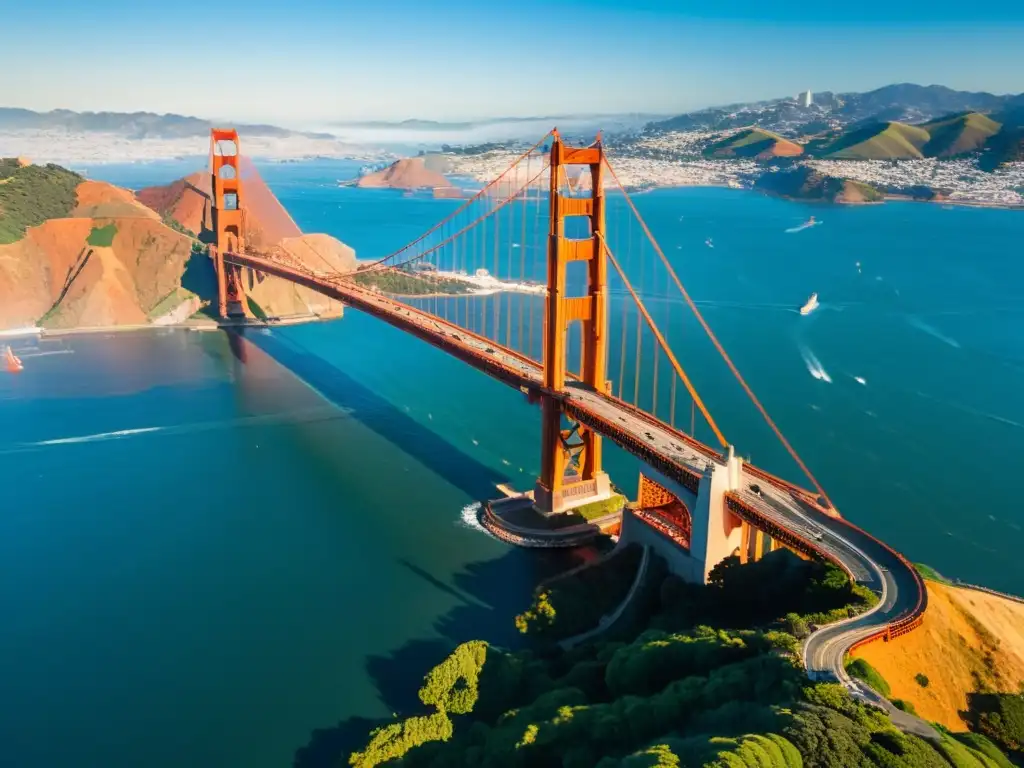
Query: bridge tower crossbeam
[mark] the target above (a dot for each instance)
(228, 221)
(571, 474)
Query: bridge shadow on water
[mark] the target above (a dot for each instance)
(461, 470)
(487, 594)
(485, 611)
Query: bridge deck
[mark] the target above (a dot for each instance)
(784, 510)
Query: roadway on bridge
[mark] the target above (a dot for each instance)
(865, 558)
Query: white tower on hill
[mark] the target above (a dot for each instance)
(805, 99)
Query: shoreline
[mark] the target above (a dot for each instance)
(887, 197)
(194, 325)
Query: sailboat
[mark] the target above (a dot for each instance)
(14, 365)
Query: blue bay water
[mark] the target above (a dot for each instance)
(283, 549)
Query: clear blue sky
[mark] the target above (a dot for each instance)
(299, 62)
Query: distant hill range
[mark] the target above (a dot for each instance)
(905, 103)
(898, 122)
(133, 125)
(944, 137)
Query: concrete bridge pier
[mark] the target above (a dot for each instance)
(715, 532)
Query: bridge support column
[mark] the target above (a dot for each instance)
(745, 541)
(228, 221)
(759, 537)
(564, 484)
(716, 533)
(222, 281)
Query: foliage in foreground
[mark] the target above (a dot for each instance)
(927, 572)
(568, 606)
(675, 691)
(32, 194)
(1000, 717)
(860, 669)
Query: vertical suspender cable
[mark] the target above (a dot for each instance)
(721, 350)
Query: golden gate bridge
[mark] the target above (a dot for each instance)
(549, 279)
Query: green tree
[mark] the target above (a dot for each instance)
(1000, 717)
(860, 669)
(393, 741)
(796, 625)
(453, 685)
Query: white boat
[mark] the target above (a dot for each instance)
(810, 306)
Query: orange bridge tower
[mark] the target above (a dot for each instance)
(571, 472)
(228, 221)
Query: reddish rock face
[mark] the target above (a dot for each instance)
(410, 173)
(55, 272)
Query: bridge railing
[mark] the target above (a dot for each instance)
(909, 620)
(747, 512)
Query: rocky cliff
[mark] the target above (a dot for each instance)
(78, 253)
(107, 260)
(185, 203)
(409, 173)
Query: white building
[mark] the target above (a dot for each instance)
(805, 99)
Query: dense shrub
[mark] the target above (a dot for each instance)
(1000, 717)
(31, 195)
(860, 669)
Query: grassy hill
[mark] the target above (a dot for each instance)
(958, 134)
(805, 183)
(948, 136)
(1007, 146)
(31, 194)
(754, 143)
(881, 141)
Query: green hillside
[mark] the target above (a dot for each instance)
(753, 142)
(958, 134)
(31, 194)
(883, 141)
(805, 183)
(946, 137)
(1007, 146)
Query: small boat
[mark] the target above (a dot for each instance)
(708, 243)
(14, 365)
(810, 306)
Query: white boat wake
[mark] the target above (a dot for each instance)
(921, 325)
(27, 355)
(97, 437)
(971, 411)
(814, 366)
(301, 416)
(802, 227)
